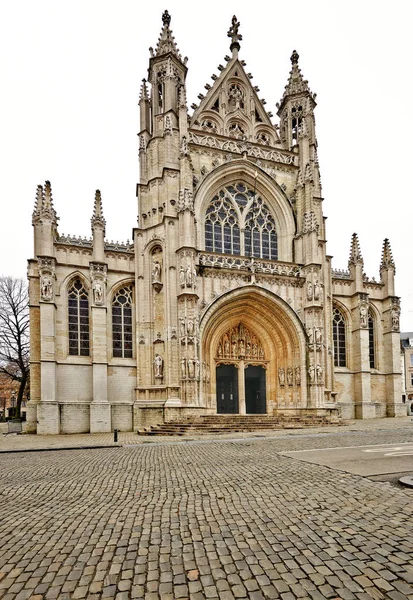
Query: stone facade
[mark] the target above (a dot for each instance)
(226, 300)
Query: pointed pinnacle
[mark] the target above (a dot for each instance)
(98, 221)
(355, 252)
(144, 91)
(166, 42)
(387, 261)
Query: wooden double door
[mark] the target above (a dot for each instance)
(241, 389)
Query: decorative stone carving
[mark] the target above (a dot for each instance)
(319, 373)
(239, 343)
(157, 275)
(281, 376)
(290, 376)
(185, 201)
(317, 290)
(297, 376)
(142, 144)
(318, 337)
(310, 222)
(184, 151)
(311, 373)
(395, 314)
(310, 292)
(191, 368)
(363, 315)
(46, 267)
(168, 125)
(158, 366)
(98, 277)
(183, 368)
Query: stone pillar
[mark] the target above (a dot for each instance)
(241, 388)
(100, 410)
(364, 408)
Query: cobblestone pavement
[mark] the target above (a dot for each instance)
(217, 519)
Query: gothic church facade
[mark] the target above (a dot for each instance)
(226, 300)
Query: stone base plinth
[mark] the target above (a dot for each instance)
(100, 417)
(31, 418)
(365, 410)
(48, 418)
(396, 410)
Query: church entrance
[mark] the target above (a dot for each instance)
(227, 389)
(255, 390)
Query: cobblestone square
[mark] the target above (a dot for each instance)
(203, 519)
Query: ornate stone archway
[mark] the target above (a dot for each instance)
(252, 326)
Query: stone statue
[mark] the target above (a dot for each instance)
(309, 290)
(190, 327)
(208, 373)
(194, 277)
(183, 368)
(158, 366)
(281, 376)
(191, 368)
(319, 371)
(311, 373)
(317, 290)
(188, 276)
(297, 376)
(97, 291)
(182, 276)
(290, 376)
(395, 318)
(310, 333)
(363, 315)
(197, 368)
(318, 336)
(47, 287)
(182, 328)
(156, 272)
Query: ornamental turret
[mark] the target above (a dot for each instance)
(387, 268)
(44, 221)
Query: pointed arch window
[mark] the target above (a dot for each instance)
(372, 353)
(238, 221)
(122, 335)
(78, 319)
(339, 338)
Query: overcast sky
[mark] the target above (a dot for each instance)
(70, 78)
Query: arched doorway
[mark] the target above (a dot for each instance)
(254, 347)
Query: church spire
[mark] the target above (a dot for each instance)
(98, 220)
(387, 261)
(166, 42)
(296, 83)
(235, 37)
(355, 252)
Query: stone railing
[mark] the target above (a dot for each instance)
(340, 274)
(243, 263)
(73, 240)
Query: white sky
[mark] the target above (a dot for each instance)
(70, 76)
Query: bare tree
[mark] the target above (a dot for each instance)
(14, 333)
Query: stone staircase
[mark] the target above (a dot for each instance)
(220, 424)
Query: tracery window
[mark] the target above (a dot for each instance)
(235, 216)
(372, 354)
(78, 319)
(122, 335)
(339, 338)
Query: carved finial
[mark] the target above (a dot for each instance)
(387, 261)
(355, 252)
(294, 57)
(166, 18)
(98, 220)
(43, 206)
(144, 91)
(234, 35)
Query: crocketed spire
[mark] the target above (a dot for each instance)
(43, 206)
(166, 42)
(144, 91)
(355, 252)
(234, 35)
(296, 83)
(387, 261)
(98, 221)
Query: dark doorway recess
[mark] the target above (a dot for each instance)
(255, 400)
(227, 389)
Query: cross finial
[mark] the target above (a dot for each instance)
(234, 35)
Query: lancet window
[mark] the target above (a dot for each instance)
(372, 354)
(122, 335)
(240, 343)
(78, 319)
(339, 338)
(239, 222)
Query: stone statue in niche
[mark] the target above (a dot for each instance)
(290, 376)
(395, 317)
(197, 368)
(281, 376)
(311, 373)
(46, 287)
(97, 291)
(182, 276)
(297, 376)
(190, 328)
(188, 276)
(158, 366)
(363, 315)
(183, 368)
(191, 368)
(309, 290)
(182, 328)
(310, 333)
(319, 371)
(318, 335)
(156, 272)
(317, 290)
(208, 373)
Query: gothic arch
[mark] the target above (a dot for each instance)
(279, 330)
(244, 171)
(64, 285)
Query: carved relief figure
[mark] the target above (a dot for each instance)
(290, 376)
(183, 368)
(156, 272)
(190, 327)
(319, 371)
(318, 336)
(188, 276)
(297, 375)
(317, 290)
(158, 366)
(310, 333)
(182, 328)
(97, 291)
(182, 276)
(395, 318)
(311, 373)
(46, 287)
(197, 368)
(191, 368)
(363, 315)
(309, 290)
(281, 376)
